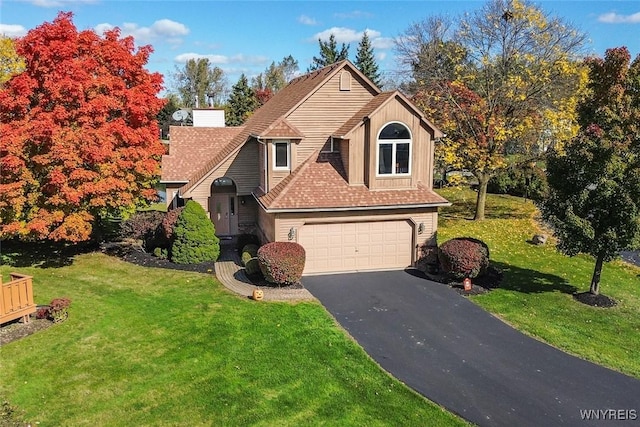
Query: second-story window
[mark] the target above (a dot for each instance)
(394, 150)
(281, 155)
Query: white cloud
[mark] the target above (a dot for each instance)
(614, 18)
(59, 3)
(163, 29)
(12, 31)
(344, 35)
(306, 20)
(348, 35)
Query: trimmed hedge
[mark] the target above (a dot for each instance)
(463, 257)
(194, 237)
(282, 263)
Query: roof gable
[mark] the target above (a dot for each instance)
(376, 105)
(277, 108)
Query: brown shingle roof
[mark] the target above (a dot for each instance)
(281, 128)
(190, 147)
(320, 183)
(277, 107)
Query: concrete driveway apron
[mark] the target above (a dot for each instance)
(465, 359)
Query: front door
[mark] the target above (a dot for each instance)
(223, 213)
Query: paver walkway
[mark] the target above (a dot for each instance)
(230, 273)
(463, 358)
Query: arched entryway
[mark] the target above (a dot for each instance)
(223, 206)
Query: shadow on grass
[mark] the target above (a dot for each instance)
(531, 281)
(465, 209)
(43, 254)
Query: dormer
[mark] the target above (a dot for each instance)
(388, 144)
(277, 155)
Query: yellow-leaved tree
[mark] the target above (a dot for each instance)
(502, 83)
(10, 62)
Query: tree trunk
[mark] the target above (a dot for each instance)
(483, 181)
(597, 271)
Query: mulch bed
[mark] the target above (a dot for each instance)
(599, 300)
(12, 331)
(480, 285)
(137, 256)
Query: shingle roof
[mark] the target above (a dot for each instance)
(374, 105)
(277, 108)
(191, 147)
(320, 183)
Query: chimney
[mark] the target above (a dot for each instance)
(208, 117)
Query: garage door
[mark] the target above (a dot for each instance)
(356, 246)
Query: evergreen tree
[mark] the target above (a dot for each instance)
(329, 53)
(242, 103)
(366, 61)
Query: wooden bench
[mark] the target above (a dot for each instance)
(16, 298)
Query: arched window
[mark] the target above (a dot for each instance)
(394, 150)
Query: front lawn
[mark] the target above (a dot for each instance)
(536, 293)
(147, 346)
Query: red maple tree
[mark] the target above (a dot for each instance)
(79, 132)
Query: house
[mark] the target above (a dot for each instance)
(330, 162)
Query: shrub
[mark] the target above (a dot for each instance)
(142, 226)
(194, 238)
(463, 257)
(521, 182)
(169, 223)
(282, 263)
(248, 252)
(252, 266)
(428, 259)
(57, 310)
(161, 253)
(246, 239)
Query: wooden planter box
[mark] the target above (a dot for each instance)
(16, 298)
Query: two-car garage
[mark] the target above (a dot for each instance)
(356, 246)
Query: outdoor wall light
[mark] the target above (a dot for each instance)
(421, 228)
(292, 233)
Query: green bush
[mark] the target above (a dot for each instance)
(521, 182)
(161, 253)
(252, 267)
(463, 257)
(248, 252)
(246, 239)
(282, 263)
(194, 237)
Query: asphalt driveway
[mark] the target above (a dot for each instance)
(463, 358)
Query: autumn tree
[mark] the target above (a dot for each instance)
(274, 78)
(502, 80)
(242, 102)
(10, 62)
(79, 132)
(594, 200)
(329, 53)
(366, 60)
(198, 83)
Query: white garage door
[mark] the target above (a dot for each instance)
(356, 246)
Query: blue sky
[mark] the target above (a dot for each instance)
(246, 36)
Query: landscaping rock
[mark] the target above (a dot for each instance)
(539, 239)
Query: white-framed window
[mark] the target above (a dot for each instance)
(281, 155)
(394, 150)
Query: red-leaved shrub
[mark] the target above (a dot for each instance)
(282, 263)
(169, 222)
(463, 257)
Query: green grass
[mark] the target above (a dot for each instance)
(536, 293)
(157, 347)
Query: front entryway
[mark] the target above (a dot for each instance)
(223, 206)
(376, 245)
